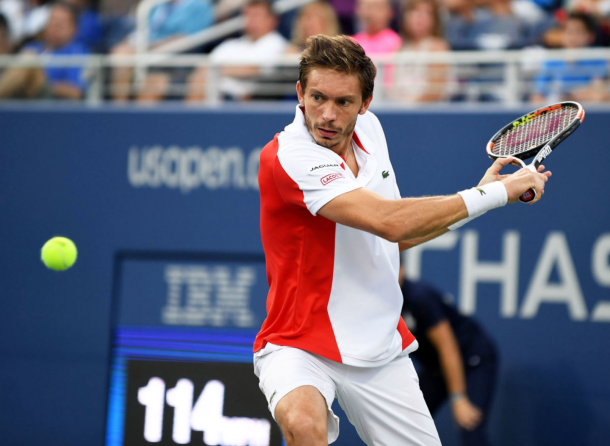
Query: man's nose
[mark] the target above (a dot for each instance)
(330, 112)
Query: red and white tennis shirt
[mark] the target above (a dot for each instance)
(333, 289)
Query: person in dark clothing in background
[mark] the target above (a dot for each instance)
(458, 360)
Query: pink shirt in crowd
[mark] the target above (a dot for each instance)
(386, 41)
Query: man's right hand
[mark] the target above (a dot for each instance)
(519, 182)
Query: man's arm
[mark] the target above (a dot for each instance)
(395, 220)
(442, 338)
(406, 244)
(420, 218)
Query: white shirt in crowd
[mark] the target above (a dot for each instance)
(268, 49)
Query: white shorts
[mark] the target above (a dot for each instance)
(384, 403)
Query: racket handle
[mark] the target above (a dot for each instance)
(528, 196)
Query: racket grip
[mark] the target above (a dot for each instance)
(528, 196)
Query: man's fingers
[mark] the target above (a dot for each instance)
(528, 178)
(498, 164)
(541, 171)
(539, 181)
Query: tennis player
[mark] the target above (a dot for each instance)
(332, 224)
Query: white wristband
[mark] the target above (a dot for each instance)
(479, 200)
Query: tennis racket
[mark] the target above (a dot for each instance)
(536, 135)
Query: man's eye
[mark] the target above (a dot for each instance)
(316, 97)
(344, 102)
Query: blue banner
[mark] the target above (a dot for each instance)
(157, 181)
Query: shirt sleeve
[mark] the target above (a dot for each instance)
(315, 172)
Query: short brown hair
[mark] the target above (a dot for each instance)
(341, 54)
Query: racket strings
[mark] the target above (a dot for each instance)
(534, 133)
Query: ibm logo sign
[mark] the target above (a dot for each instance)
(216, 296)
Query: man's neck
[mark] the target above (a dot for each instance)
(342, 148)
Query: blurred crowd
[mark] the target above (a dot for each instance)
(382, 27)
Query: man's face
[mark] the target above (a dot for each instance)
(60, 28)
(332, 103)
(258, 21)
(375, 15)
(576, 35)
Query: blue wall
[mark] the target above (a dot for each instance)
(184, 180)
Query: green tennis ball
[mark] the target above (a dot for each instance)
(59, 253)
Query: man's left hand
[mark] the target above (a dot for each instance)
(493, 173)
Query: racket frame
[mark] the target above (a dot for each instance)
(541, 151)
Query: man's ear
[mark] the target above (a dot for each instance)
(300, 93)
(365, 106)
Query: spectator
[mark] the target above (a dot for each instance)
(5, 37)
(376, 37)
(457, 360)
(459, 20)
(27, 18)
(118, 21)
(314, 18)
(491, 27)
(169, 21)
(117, 8)
(497, 28)
(422, 32)
(598, 8)
(345, 10)
(6, 46)
(12, 11)
(228, 8)
(261, 43)
(51, 82)
(580, 80)
(89, 25)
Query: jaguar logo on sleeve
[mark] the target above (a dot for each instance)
(318, 167)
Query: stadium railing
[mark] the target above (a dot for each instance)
(404, 79)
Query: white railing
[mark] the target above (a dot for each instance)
(505, 77)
